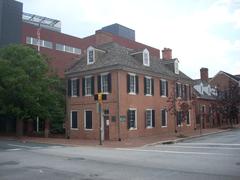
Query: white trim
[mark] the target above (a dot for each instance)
(145, 51)
(166, 118)
(85, 83)
(151, 126)
(90, 48)
(73, 79)
(176, 67)
(71, 120)
(135, 89)
(101, 75)
(164, 80)
(134, 109)
(149, 78)
(85, 110)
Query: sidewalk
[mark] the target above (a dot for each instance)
(133, 142)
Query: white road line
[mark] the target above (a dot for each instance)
(214, 144)
(16, 149)
(197, 147)
(14, 145)
(172, 152)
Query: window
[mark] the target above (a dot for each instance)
(74, 120)
(60, 47)
(188, 118)
(179, 118)
(88, 119)
(36, 42)
(146, 61)
(73, 87)
(163, 88)
(132, 84)
(164, 117)
(150, 118)
(176, 69)
(66, 48)
(148, 86)
(132, 119)
(178, 90)
(90, 55)
(104, 83)
(88, 86)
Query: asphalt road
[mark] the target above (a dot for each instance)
(212, 157)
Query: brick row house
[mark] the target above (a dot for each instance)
(205, 102)
(138, 86)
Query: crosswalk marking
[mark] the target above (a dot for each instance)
(214, 144)
(173, 152)
(199, 147)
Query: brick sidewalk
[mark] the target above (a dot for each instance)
(133, 142)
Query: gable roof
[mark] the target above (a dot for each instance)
(233, 77)
(119, 56)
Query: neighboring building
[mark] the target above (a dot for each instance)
(228, 89)
(205, 102)
(10, 22)
(138, 87)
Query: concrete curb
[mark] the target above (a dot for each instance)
(184, 139)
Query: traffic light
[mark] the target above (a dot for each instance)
(100, 97)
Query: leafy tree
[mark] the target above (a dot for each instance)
(27, 88)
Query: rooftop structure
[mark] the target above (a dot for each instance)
(48, 23)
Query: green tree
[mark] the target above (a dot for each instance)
(27, 88)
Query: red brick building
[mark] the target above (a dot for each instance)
(138, 86)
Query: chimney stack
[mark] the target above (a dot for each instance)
(167, 54)
(204, 74)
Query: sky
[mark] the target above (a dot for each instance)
(201, 33)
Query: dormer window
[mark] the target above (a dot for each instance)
(176, 69)
(146, 60)
(90, 55)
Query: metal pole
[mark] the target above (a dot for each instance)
(100, 123)
(37, 124)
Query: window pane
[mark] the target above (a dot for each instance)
(59, 47)
(88, 86)
(104, 83)
(47, 44)
(132, 119)
(74, 119)
(88, 116)
(74, 87)
(90, 56)
(132, 84)
(149, 118)
(163, 118)
(28, 40)
(148, 85)
(77, 51)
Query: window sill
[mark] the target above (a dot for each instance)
(149, 127)
(87, 95)
(148, 95)
(163, 126)
(88, 129)
(188, 125)
(132, 93)
(74, 129)
(132, 129)
(163, 96)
